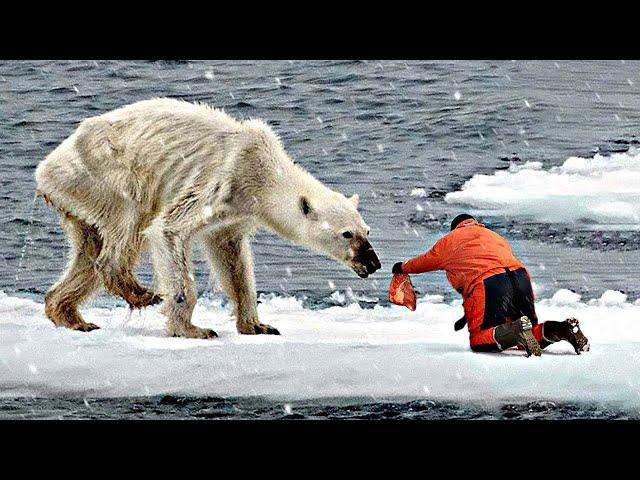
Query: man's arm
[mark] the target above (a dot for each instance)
(427, 262)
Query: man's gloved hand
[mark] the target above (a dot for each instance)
(397, 267)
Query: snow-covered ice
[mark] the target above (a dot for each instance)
(594, 191)
(340, 351)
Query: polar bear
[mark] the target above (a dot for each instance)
(160, 173)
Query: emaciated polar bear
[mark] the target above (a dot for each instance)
(161, 172)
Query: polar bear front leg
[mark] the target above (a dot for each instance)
(230, 255)
(172, 263)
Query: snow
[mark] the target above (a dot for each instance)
(598, 191)
(565, 297)
(340, 351)
(207, 212)
(612, 297)
(418, 192)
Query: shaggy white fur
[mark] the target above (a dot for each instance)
(161, 172)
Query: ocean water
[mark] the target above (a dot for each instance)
(544, 152)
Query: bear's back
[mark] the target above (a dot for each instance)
(169, 109)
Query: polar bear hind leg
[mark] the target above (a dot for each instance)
(115, 265)
(66, 185)
(79, 281)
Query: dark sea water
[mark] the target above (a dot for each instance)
(207, 408)
(377, 128)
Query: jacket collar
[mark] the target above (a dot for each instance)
(469, 222)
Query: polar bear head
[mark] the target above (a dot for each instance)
(332, 225)
(297, 206)
(314, 216)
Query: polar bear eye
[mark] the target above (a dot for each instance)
(306, 208)
(347, 234)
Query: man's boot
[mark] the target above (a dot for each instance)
(568, 330)
(516, 333)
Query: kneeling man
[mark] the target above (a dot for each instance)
(496, 288)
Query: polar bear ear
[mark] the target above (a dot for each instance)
(355, 199)
(307, 209)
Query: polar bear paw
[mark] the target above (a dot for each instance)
(141, 300)
(257, 329)
(192, 331)
(81, 326)
(84, 327)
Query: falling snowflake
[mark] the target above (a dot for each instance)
(207, 212)
(287, 408)
(33, 368)
(208, 75)
(457, 95)
(528, 105)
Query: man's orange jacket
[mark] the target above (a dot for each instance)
(469, 254)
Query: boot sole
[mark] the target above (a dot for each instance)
(575, 329)
(531, 345)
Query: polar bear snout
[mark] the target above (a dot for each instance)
(365, 262)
